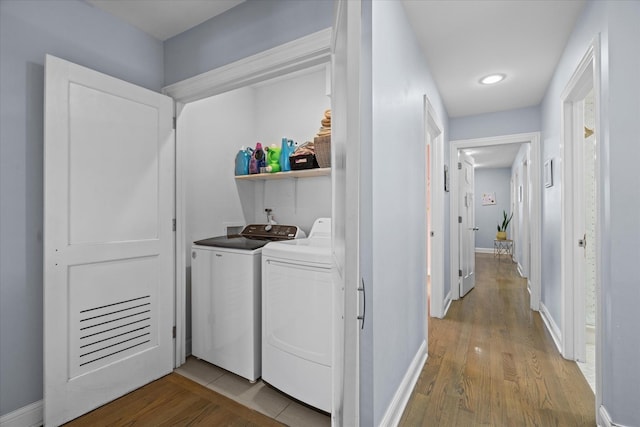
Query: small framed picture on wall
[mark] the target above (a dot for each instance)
(488, 199)
(548, 173)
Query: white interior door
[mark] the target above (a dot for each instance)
(585, 203)
(346, 222)
(467, 225)
(108, 245)
(435, 214)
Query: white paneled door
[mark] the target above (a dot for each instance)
(108, 248)
(346, 214)
(467, 225)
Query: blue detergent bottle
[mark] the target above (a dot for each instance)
(242, 161)
(285, 151)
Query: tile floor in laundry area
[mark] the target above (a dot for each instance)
(258, 396)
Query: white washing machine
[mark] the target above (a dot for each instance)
(225, 297)
(297, 316)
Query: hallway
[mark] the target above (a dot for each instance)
(492, 362)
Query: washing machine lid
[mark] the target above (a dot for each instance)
(317, 250)
(253, 236)
(232, 242)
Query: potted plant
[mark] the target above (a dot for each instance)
(502, 228)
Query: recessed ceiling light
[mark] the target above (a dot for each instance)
(492, 79)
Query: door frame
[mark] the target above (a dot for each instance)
(434, 127)
(305, 52)
(298, 54)
(525, 262)
(535, 216)
(514, 190)
(586, 77)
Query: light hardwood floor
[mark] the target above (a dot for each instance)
(173, 400)
(492, 363)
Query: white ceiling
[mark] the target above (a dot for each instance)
(164, 19)
(463, 41)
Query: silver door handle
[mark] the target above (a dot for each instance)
(364, 303)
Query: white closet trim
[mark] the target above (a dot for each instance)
(299, 54)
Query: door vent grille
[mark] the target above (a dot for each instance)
(112, 331)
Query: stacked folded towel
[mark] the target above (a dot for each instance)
(325, 130)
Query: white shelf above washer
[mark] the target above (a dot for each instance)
(304, 173)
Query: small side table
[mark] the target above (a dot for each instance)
(502, 247)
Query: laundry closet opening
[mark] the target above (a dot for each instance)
(210, 133)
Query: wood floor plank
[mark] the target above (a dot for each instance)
(173, 401)
(493, 363)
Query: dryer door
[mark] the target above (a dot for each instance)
(297, 309)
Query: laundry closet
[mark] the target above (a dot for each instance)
(210, 133)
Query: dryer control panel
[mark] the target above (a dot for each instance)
(272, 232)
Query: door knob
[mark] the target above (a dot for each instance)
(475, 228)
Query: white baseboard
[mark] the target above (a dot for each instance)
(552, 327)
(30, 415)
(395, 409)
(447, 304)
(520, 270)
(606, 418)
(484, 250)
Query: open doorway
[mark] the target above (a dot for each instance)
(587, 361)
(534, 212)
(581, 217)
(500, 187)
(436, 299)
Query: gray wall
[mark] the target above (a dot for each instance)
(619, 150)
(396, 268)
(82, 34)
(249, 28)
(509, 122)
(491, 180)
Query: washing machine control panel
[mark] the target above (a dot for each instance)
(271, 231)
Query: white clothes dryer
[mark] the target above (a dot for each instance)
(297, 316)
